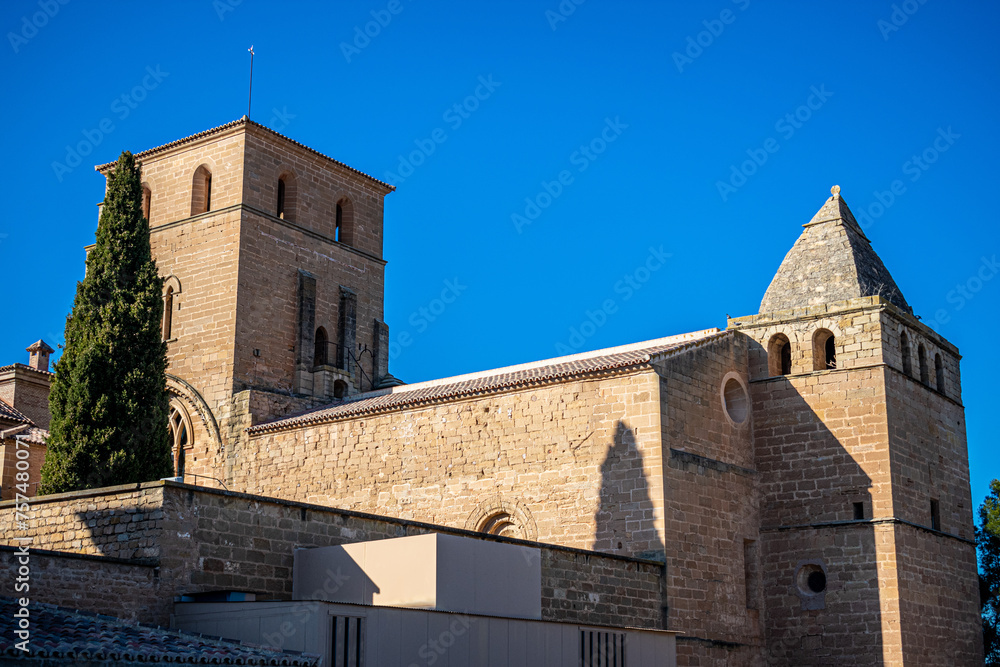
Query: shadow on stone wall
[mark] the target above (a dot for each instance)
(807, 478)
(625, 521)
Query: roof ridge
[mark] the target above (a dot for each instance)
(481, 385)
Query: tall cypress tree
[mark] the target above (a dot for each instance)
(109, 399)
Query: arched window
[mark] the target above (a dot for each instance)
(168, 312)
(281, 198)
(322, 344)
(779, 355)
(922, 360)
(180, 437)
(147, 198)
(339, 389)
(500, 523)
(939, 372)
(824, 350)
(344, 230)
(201, 191)
(904, 350)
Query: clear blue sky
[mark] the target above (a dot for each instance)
(887, 92)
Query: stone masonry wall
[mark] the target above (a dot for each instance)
(712, 505)
(565, 455)
(205, 540)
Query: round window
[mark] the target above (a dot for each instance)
(735, 400)
(811, 579)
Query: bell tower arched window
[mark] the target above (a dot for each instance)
(904, 350)
(320, 355)
(779, 355)
(922, 360)
(824, 350)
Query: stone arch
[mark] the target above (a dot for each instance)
(824, 348)
(779, 355)
(181, 435)
(504, 517)
(201, 189)
(905, 353)
(197, 408)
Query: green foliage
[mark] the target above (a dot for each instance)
(109, 400)
(988, 543)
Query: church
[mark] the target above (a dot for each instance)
(790, 490)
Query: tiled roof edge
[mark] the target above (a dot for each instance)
(552, 378)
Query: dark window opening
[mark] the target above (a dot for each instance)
(904, 349)
(340, 222)
(831, 353)
(939, 372)
(859, 511)
(779, 356)
(147, 197)
(281, 198)
(816, 581)
(922, 360)
(339, 389)
(824, 350)
(168, 312)
(322, 343)
(208, 193)
(935, 514)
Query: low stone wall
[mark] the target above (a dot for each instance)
(193, 539)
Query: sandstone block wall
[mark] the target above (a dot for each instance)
(212, 540)
(577, 463)
(711, 504)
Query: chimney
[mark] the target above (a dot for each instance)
(39, 359)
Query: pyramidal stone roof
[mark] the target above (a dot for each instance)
(831, 261)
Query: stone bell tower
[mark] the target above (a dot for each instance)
(272, 258)
(859, 441)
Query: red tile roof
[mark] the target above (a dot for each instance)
(236, 123)
(7, 412)
(560, 369)
(63, 635)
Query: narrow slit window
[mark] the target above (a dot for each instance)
(935, 514)
(339, 223)
(904, 350)
(939, 372)
(168, 313)
(859, 511)
(922, 360)
(281, 198)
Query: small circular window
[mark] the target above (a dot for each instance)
(735, 399)
(811, 579)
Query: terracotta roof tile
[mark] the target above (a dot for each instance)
(8, 412)
(544, 372)
(59, 633)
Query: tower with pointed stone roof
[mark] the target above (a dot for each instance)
(859, 441)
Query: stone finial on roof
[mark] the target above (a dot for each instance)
(831, 261)
(39, 351)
